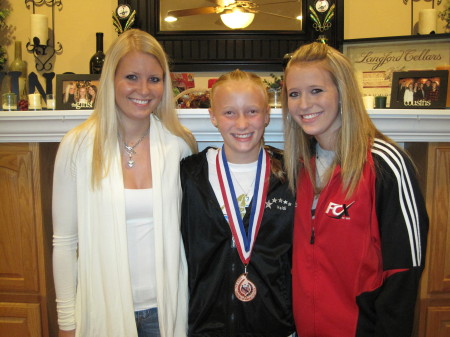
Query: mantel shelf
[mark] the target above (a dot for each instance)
(51, 126)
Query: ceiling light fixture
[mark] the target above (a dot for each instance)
(237, 18)
(170, 18)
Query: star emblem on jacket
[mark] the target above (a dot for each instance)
(278, 203)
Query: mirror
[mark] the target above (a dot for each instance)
(253, 49)
(269, 15)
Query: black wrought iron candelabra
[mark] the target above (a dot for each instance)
(438, 1)
(44, 51)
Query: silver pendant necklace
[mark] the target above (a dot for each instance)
(129, 149)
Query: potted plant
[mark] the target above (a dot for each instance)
(4, 12)
(274, 90)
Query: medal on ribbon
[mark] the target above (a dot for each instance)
(244, 289)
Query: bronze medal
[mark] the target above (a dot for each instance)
(244, 289)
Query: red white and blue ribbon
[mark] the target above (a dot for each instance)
(244, 240)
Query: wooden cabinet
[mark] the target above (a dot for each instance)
(433, 311)
(26, 285)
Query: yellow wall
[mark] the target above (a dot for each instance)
(75, 27)
(78, 21)
(380, 18)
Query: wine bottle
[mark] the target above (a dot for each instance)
(97, 60)
(20, 65)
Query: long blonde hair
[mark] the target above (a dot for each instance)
(357, 132)
(106, 116)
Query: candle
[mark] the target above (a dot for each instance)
(369, 102)
(50, 102)
(427, 21)
(34, 101)
(39, 27)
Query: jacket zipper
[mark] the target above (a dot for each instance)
(314, 205)
(312, 241)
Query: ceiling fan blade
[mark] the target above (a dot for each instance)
(278, 2)
(221, 3)
(192, 11)
(281, 16)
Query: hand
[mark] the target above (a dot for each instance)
(69, 333)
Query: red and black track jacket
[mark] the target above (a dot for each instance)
(357, 264)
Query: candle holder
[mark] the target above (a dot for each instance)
(438, 2)
(44, 51)
(41, 2)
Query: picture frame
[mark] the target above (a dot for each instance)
(76, 91)
(426, 89)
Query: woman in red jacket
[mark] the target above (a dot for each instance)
(360, 222)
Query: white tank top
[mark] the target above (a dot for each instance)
(141, 247)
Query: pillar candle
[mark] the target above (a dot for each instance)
(50, 102)
(39, 27)
(34, 101)
(369, 102)
(427, 21)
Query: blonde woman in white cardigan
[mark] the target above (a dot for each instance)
(119, 264)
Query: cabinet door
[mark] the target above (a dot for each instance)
(438, 322)
(20, 320)
(18, 246)
(438, 204)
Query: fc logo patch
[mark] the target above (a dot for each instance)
(338, 211)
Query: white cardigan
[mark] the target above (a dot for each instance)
(94, 222)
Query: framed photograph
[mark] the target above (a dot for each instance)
(419, 89)
(76, 91)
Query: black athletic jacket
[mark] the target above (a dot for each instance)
(214, 264)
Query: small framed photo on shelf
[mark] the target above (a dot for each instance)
(76, 91)
(424, 89)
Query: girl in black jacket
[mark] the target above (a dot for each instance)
(237, 214)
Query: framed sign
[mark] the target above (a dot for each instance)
(376, 59)
(419, 89)
(76, 91)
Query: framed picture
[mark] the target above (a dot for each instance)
(76, 91)
(419, 89)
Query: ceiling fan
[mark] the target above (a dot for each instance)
(233, 13)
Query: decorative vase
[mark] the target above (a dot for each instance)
(20, 65)
(97, 60)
